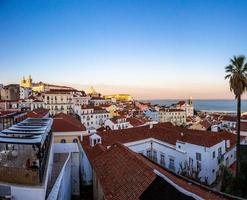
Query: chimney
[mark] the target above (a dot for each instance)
(182, 134)
(227, 143)
(151, 126)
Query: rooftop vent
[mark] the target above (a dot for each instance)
(94, 139)
(182, 134)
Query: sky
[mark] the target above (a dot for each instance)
(152, 49)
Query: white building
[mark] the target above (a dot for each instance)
(80, 100)
(58, 101)
(197, 154)
(97, 101)
(117, 123)
(229, 121)
(92, 116)
(175, 116)
(188, 107)
(25, 92)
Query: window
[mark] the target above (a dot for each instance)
(162, 160)
(63, 141)
(199, 166)
(198, 157)
(154, 155)
(171, 164)
(149, 153)
(219, 151)
(213, 154)
(75, 141)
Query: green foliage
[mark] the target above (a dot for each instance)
(233, 185)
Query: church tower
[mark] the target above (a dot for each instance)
(29, 82)
(190, 101)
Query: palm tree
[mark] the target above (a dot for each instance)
(236, 72)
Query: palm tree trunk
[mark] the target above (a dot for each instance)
(238, 136)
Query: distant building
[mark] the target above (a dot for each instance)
(40, 86)
(117, 123)
(58, 101)
(119, 97)
(25, 92)
(97, 101)
(142, 106)
(175, 116)
(152, 114)
(188, 107)
(229, 121)
(91, 116)
(92, 92)
(10, 92)
(204, 125)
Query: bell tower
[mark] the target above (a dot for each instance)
(29, 81)
(190, 101)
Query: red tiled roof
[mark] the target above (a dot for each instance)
(124, 174)
(171, 110)
(12, 112)
(66, 123)
(181, 103)
(243, 126)
(206, 124)
(229, 118)
(136, 121)
(167, 133)
(38, 113)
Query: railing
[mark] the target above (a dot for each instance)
(62, 186)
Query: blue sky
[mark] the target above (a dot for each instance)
(152, 49)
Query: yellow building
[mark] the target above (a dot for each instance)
(119, 97)
(67, 129)
(26, 83)
(112, 110)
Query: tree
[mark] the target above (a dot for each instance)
(236, 72)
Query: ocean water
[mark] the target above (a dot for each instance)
(207, 105)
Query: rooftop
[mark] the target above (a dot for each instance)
(66, 123)
(38, 113)
(168, 133)
(124, 174)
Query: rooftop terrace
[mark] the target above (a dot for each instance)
(24, 149)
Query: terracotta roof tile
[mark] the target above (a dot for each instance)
(66, 123)
(38, 113)
(124, 174)
(166, 133)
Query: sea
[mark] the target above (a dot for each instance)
(227, 106)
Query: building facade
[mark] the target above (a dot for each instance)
(175, 116)
(58, 101)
